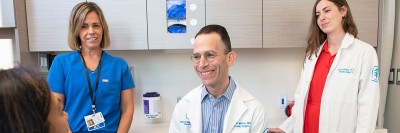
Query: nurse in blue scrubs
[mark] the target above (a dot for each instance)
(96, 87)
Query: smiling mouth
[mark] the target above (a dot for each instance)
(91, 38)
(205, 73)
(324, 25)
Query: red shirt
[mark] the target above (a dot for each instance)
(321, 70)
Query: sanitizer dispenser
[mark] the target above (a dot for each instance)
(152, 105)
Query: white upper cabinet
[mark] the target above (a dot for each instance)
(241, 18)
(7, 16)
(48, 23)
(173, 25)
(366, 16)
(286, 22)
(127, 23)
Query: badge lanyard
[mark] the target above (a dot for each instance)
(88, 80)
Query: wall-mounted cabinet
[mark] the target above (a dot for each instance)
(160, 37)
(127, 23)
(365, 14)
(286, 22)
(48, 24)
(242, 18)
(143, 24)
(7, 15)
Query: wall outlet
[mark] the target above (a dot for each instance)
(282, 102)
(43, 62)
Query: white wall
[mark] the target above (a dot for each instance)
(266, 73)
(7, 43)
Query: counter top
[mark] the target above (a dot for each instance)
(162, 127)
(159, 127)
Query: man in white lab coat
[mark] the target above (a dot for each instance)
(219, 105)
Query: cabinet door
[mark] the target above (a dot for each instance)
(48, 24)
(365, 15)
(160, 38)
(286, 22)
(241, 18)
(7, 16)
(127, 23)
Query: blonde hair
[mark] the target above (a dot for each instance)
(76, 20)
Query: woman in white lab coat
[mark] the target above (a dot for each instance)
(338, 91)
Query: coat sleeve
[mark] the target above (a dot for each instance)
(260, 121)
(288, 125)
(368, 95)
(174, 124)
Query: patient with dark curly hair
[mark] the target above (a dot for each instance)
(27, 106)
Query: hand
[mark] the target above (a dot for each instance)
(275, 130)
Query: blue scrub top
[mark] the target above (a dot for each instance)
(67, 76)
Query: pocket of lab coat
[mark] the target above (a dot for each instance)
(344, 104)
(344, 89)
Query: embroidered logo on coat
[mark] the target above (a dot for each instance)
(375, 74)
(243, 124)
(346, 70)
(186, 122)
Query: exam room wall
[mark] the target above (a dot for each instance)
(265, 73)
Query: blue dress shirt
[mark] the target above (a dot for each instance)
(213, 110)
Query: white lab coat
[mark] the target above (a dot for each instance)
(350, 99)
(245, 114)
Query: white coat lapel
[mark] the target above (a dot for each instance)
(335, 62)
(236, 109)
(346, 42)
(194, 112)
(309, 68)
(309, 72)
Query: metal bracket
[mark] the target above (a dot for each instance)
(398, 77)
(391, 76)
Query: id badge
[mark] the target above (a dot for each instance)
(95, 121)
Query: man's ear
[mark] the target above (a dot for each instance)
(231, 58)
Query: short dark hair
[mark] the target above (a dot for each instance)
(24, 101)
(221, 31)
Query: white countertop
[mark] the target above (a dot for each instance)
(159, 127)
(162, 127)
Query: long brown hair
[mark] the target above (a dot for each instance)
(316, 36)
(76, 20)
(24, 101)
